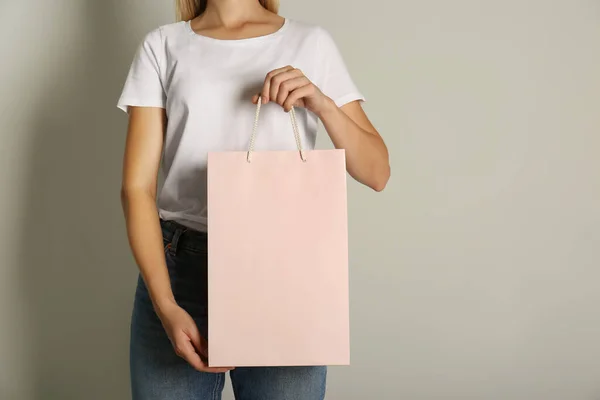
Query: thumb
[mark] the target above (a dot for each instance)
(198, 341)
(185, 350)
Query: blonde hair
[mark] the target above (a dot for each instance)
(190, 9)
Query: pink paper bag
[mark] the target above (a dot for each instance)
(277, 257)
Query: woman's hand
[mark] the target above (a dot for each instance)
(185, 337)
(289, 87)
(367, 158)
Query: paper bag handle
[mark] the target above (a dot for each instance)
(294, 128)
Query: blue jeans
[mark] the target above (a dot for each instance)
(157, 373)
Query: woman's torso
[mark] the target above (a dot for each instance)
(207, 85)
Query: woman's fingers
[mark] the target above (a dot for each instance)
(296, 95)
(288, 86)
(194, 334)
(185, 350)
(267, 84)
(193, 348)
(186, 339)
(278, 79)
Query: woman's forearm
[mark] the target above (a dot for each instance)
(367, 157)
(145, 239)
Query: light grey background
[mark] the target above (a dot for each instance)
(475, 275)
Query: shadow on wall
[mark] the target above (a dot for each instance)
(76, 270)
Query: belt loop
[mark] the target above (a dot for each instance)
(178, 232)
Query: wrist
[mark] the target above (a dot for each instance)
(329, 108)
(163, 304)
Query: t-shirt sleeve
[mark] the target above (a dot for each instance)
(143, 86)
(336, 81)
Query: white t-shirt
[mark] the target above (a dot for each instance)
(206, 86)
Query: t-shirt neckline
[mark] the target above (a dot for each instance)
(278, 32)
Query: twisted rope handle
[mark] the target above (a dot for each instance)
(295, 128)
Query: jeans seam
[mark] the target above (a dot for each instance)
(217, 385)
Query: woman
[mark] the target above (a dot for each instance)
(190, 90)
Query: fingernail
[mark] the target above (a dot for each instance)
(265, 100)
